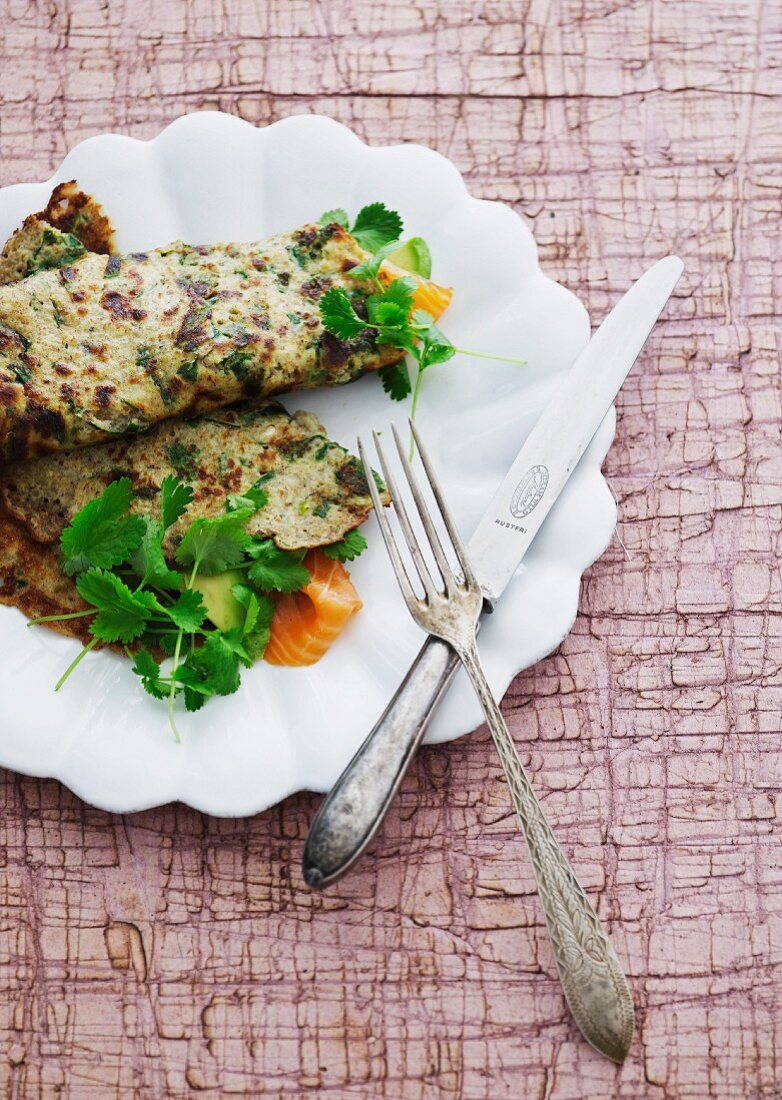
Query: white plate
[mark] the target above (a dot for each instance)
(211, 177)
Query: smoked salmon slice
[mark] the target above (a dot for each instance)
(430, 296)
(306, 623)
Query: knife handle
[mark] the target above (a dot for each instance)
(351, 813)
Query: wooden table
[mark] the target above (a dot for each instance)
(167, 954)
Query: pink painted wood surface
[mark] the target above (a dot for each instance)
(168, 954)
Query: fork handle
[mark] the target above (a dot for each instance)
(592, 979)
(351, 813)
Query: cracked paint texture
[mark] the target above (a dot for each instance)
(171, 955)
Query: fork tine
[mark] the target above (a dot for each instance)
(404, 522)
(453, 532)
(431, 531)
(388, 536)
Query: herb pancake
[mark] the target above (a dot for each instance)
(316, 490)
(107, 346)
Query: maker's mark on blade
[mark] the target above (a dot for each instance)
(529, 492)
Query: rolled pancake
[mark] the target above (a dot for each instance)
(110, 346)
(316, 490)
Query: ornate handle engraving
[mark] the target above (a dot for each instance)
(594, 984)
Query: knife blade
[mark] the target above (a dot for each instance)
(564, 430)
(351, 813)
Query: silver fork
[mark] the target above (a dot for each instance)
(592, 979)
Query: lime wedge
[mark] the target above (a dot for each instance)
(413, 255)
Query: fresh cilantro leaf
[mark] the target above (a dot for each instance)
(212, 669)
(338, 315)
(146, 667)
(274, 569)
(376, 226)
(233, 639)
(389, 315)
(397, 336)
(216, 544)
(337, 215)
(123, 615)
(188, 613)
(193, 699)
(348, 549)
(175, 498)
(389, 312)
(396, 381)
(369, 268)
(400, 292)
(249, 601)
(149, 562)
(435, 348)
(102, 534)
(258, 620)
(254, 498)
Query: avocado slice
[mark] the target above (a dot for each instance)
(222, 607)
(413, 255)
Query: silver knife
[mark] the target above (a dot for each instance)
(351, 813)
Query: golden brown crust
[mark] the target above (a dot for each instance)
(72, 211)
(72, 224)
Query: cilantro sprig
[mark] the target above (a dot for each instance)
(375, 225)
(136, 599)
(102, 534)
(390, 316)
(390, 319)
